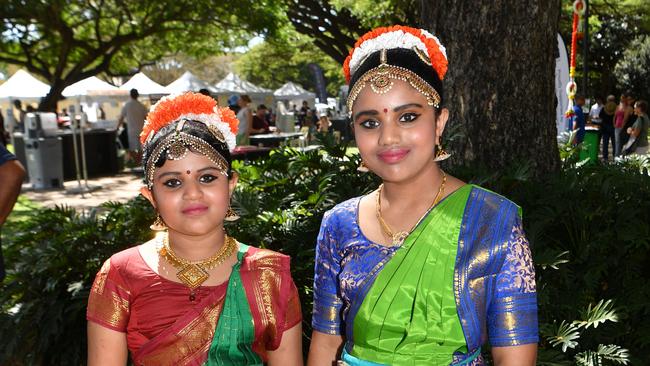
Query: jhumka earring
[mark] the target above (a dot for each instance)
(440, 154)
(231, 215)
(158, 224)
(362, 167)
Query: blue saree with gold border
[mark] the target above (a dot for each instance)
(493, 281)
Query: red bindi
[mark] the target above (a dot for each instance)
(385, 110)
(188, 172)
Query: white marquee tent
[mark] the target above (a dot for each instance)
(91, 86)
(22, 85)
(188, 82)
(292, 91)
(144, 85)
(233, 84)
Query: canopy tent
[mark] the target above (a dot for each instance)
(22, 85)
(144, 85)
(91, 86)
(292, 91)
(233, 84)
(188, 82)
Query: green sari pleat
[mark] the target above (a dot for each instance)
(235, 333)
(409, 314)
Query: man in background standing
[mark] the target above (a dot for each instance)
(12, 174)
(134, 113)
(577, 121)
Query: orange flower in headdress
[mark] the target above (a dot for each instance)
(228, 115)
(172, 108)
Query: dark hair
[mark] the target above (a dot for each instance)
(261, 106)
(642, 105)
(134, 93)
(245, 98)
(194, 128)
(405, 58)
(205, 91)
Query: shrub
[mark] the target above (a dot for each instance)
(588, 227)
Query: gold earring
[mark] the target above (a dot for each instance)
(362, 167)
(231, 215)
(440, 154)
(158, 224)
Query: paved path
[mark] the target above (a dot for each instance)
(121, 187)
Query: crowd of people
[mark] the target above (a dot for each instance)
(622, 127)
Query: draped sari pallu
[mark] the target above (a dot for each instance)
(462, 276)
(231, 328)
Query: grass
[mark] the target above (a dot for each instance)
(20, 213)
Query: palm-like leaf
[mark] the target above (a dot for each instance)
(565, 335)
(602, 312)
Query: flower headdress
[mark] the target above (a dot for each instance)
(425, 45)
(181, 109)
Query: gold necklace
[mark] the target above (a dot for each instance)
(399, 237)
(194, 273)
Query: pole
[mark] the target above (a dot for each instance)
(585, 52)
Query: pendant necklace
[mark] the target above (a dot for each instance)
(194, 273)
(397, 239)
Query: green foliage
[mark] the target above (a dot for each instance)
(600, 215)
(588, 227)
(52, 259)
(633, 69)
(285, 58)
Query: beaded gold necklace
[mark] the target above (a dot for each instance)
(399, 237)
(194, 273)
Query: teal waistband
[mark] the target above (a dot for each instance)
(349, 360)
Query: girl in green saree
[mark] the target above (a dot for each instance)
(426, 269)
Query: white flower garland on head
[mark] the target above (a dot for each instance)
(214, 120)
(390, 40)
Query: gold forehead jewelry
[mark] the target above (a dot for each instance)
(381, 79)
(194, 273)
(176, 145)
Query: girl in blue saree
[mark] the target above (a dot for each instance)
(426, 270)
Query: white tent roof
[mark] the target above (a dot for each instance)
(292, 91)
(188, 82)
(23, 85)
(90, 86)
(235, 85)
(144, 85)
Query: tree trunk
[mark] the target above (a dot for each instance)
(500, 84)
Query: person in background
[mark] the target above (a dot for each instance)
(134, 113)
(625, 135)
(12, 174)
(260, 124)
(607, 125)
(4, 134)
(577, 122)
(621, 116)
(324, 123)
(639, 130)
(302, 113)
(245, 117)
(594, 111)
(232, 103)
(205, 92)
(20, 118)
